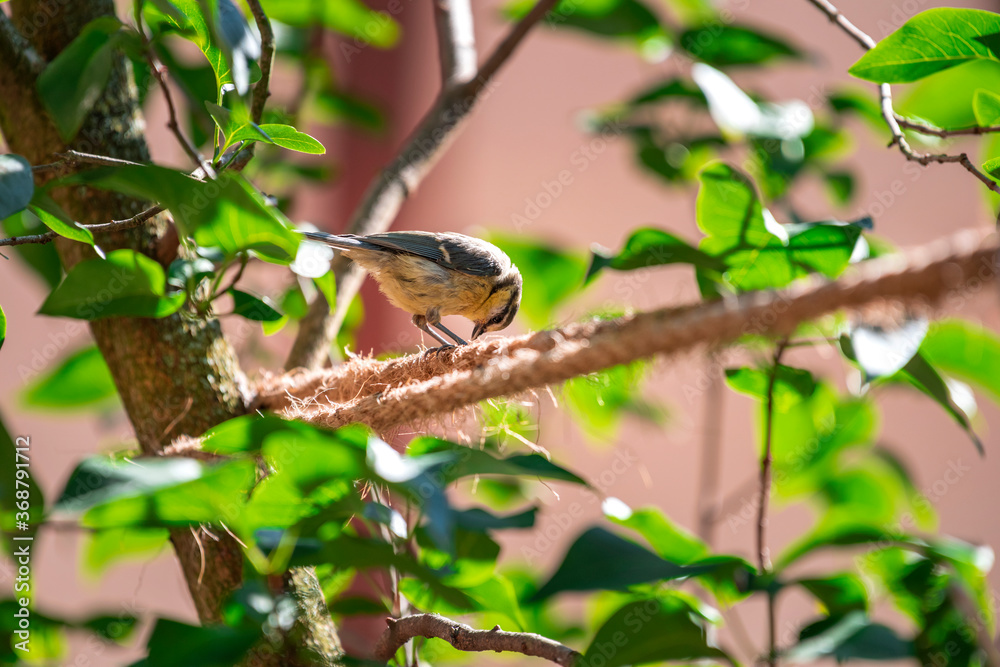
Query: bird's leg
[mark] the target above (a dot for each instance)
(434, 319)
(420, 322)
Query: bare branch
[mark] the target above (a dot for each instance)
(159, 71)
(456, 41)
(113, 226)
(386, 194)
(944, 134)
(77, 157)
(262, 90)
(388, 394)
(894, 123)
(465, 638)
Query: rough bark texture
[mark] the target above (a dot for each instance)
(177, 375)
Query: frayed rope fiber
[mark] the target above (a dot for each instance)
(387, 394)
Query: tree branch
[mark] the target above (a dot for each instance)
(465, 638)
(944, 134)
(387, 394)
(159, 71)
(889, 114)
(113, 226)
(262, 90)
(456, 39)
(386, 194)
(17, 54)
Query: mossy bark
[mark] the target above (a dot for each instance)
(177, 375)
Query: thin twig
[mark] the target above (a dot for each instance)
(944, 134)
(763, 557)
(262, 90)
(159, 71)
(465, 638)
(388, 191)
(90, 158)
(113, 226)
(889, 114)
(456, 41)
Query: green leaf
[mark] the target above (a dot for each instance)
(674, 88)
(288, 137)
(192, 24)
(760, 253)
(946, 99)
(651, 247)
(99, 480)
(922, 375)
(236, 124)
(216, 495)
(601, 560)
(3, 327)
(81, 380)
(670, 541)
(17, 185)
(42, 258)
(348, 17)
(850, 637)
(227, 213)
(75, 79)
(986, 106)
(839, 593)
(174, 643)
(126, 284)
(723, 45)
(107, 547)
(967, 351)
(478, 519)
(791, 385)
(931, 41)
(253, 308)
(53, 217)
(628, 20)
(861, 102)
(670, 627)
(550, 275)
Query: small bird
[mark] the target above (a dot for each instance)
(431, 274)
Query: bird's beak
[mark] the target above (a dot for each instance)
(478, 330)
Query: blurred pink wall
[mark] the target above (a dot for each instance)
(523, 135)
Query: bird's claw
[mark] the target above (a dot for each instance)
(434, 351)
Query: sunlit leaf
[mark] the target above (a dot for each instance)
(651, 247)
(53, 217)
(81, 380)
(850, 637)
(253, 308)
(967, 351)
(349, 17)
(126, 284)
(931, 41)
(288, 137)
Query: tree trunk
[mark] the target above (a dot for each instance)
(177, 375)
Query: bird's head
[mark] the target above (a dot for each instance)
(501, 305)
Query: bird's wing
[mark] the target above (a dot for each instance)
(452, 251)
